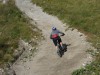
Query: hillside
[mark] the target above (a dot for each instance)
(13, 27)
(46, 61)
(31, 20)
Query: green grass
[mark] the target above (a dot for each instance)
(13, 26)
(83, 15)
(91, 69)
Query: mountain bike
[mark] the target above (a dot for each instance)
(59, 51)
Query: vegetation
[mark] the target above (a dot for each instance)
(13, 26)
(91, 69)
(83, 15)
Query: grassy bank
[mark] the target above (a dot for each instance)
(13, 26)
(83, 15)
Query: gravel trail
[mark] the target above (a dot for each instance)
(46, 61)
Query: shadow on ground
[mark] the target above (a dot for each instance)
(65, 48)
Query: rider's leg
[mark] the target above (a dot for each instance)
(56, 47)
(61, 44)
(60, 41)
(55, 43)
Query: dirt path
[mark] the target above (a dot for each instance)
(46, 61)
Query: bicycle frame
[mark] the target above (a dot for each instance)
(59, 51)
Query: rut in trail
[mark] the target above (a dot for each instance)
(46, 60)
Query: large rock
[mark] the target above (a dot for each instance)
(22, 47)
(8, 70)
(1, 71)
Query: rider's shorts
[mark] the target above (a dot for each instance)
(55, 41)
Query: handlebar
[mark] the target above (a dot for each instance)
(62, 34)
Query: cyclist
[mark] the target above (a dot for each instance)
(55, 36)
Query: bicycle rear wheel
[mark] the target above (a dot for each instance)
(59, 52)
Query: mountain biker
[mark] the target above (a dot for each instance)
(55, 36)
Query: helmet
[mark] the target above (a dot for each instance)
(53, 28)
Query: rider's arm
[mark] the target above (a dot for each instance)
(61, 32)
